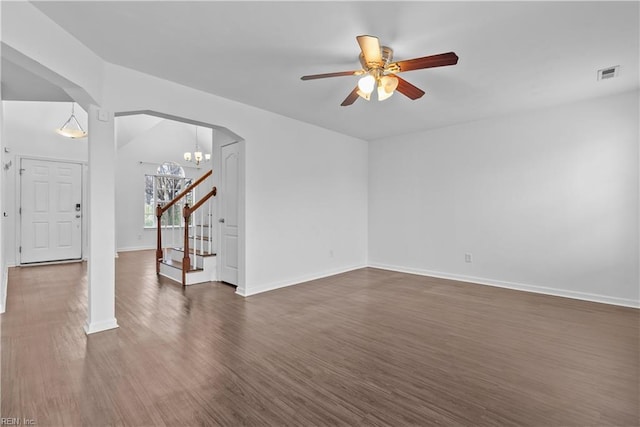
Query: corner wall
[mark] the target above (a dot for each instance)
(306, 204)
(545, 201)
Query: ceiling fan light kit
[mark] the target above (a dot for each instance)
(379, 71)
(367, 83)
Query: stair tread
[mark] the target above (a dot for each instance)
(178, 265)
(203, 253)
(205, 238)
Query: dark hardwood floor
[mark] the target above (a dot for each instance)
(369, 347)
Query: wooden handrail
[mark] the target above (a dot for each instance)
(163, 209)
(190, 210)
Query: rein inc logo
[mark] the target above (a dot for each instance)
(17, 422)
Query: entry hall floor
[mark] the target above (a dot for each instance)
(368, 347)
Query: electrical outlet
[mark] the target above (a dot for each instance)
(468, 257)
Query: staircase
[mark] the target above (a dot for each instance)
(186, 251)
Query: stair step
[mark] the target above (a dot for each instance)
(198, 252)
(178, 265)
(205, 238)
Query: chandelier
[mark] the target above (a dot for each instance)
(197, 156)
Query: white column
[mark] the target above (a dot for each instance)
(3, 190)
(101, 194)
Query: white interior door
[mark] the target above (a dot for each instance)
(229, 179)
(51, 211)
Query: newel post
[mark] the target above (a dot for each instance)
(158, 238)
(186, 261)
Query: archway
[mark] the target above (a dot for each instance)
(220, 137)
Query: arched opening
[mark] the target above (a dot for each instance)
(147, 139)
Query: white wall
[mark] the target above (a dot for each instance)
(306, 203)
(305, 187)
(545, 201)
(29, 131)
(165, 141)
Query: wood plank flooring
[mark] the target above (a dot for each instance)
(368, 347)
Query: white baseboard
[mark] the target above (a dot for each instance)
(512, 285)
(104, 325)
(4, 290)
(284, 283)
(135, 248)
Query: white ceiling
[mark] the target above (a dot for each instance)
(513, 55)
(20, 84)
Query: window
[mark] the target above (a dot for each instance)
(161, 188)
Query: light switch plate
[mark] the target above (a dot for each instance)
(103, 115)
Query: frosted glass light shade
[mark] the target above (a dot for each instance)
(198, 156)
(71, 133)
(386, 86)
(382, 95)
(72, 128)
(207, 157)
(364, 95)
(367, 84)
(187, 157)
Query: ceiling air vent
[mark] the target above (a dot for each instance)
(608, 73)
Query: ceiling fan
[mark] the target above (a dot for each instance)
(379, 70)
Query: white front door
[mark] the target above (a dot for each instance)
(229, 179)
(51, 211)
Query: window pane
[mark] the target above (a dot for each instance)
(170, 168)
(161, 189)
(149, 202)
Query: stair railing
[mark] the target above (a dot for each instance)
(186, 214)
(188, 225)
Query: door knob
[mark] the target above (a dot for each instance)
(221, 220)
(78, 216)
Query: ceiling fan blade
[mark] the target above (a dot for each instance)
(351, 98)
(338, 74)
(432, 61)
(407, 89)
(370, 47)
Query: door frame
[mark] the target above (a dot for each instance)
(241, 286)
(83, 211)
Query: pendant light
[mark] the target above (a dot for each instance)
(72, 128)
